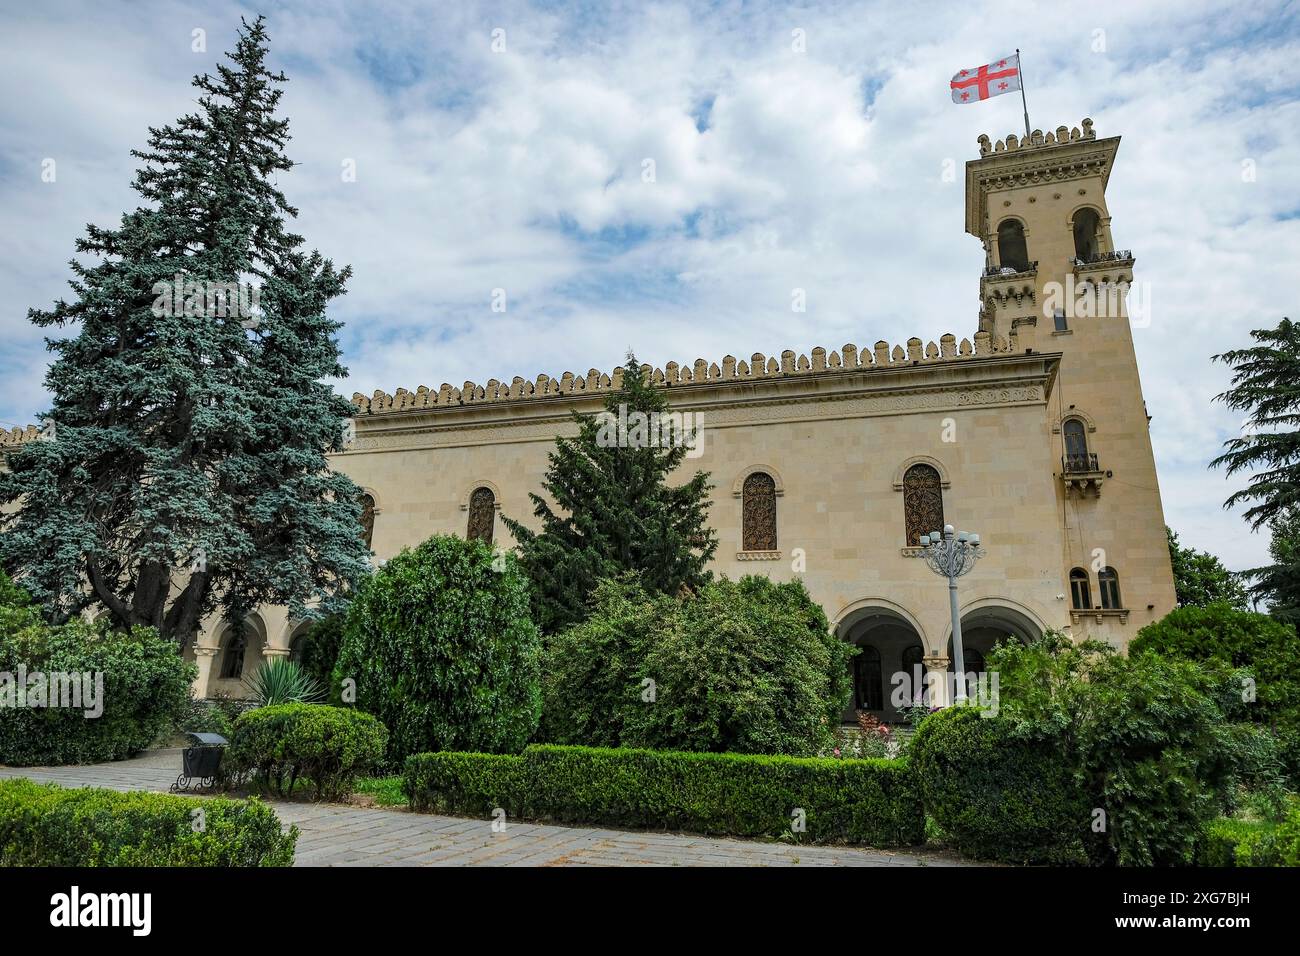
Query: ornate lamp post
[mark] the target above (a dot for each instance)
(952, 553)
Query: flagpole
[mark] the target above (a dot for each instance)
(1020, 63)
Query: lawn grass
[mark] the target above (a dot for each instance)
(387, 791)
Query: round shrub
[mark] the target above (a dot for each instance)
(745, 666)
(327, 746)
(137, 678)
(1267, 648)
(444, 651)
(998, 797)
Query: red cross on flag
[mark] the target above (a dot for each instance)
(1000, 76)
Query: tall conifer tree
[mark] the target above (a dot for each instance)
(186, 470)
(615, 510)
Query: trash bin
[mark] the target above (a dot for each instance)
(201, 761)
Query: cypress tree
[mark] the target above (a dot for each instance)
(615, 511)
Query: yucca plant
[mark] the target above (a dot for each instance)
(282, 681)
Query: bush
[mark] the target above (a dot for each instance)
(321, 644)
(1268, 649)
(443, 651)
(327, 746)
(996, 796)
(874, 802)
(1147, 740)
(145, 690)
(745, 666)
(45, 825)
(1229, 842)
(205, 717)
(282, 681)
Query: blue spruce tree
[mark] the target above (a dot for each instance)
(186, 470)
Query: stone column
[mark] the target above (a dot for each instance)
(936, 679)
(205, 658)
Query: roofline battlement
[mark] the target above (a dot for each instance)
(1035, 160)
(731, 371)
(1038, 139)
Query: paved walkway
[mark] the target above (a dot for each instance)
(335, 835)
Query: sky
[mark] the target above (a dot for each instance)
(504, 146)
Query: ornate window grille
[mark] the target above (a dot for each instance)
(367, 519)
(922, 502)
(758, 512)
(482, 515)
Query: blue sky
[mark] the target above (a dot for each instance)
(775, 169)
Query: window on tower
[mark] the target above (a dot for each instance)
(1087, 227)
(1012, 251)
(1080, 593)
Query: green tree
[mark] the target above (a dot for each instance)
(1267, 648)
(1200, 579)
(1265, 385)
(746, 666)
(615, 510)
(1278, 584)
(442, 649)
(189, 427)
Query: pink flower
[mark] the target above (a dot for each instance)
(837, 751)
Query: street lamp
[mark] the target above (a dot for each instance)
(953, 554)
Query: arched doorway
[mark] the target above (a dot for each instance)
(982, 629)
(886, 669)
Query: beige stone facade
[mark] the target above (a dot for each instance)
(1034, 427)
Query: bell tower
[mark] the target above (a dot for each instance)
(1053, 281)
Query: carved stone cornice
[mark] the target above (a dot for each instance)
(1029, 167)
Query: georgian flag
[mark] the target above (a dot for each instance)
(1000, 76)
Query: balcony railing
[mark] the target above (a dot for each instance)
(1119, 255)
(1009, 270)
(1084, 464)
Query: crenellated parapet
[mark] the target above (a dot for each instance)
(18, 436)
(757, 367)
(1038, 139)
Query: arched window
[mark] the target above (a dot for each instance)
(1087, 227)
(1076, 445)
(1080, 593)
(868, 691)
(914, 668)
(296, 647)
(972, 660)
(758, 513)
(367, 518)
(232, 661)
(482, 515)
(1012, 251)
(1108, 585)
(922, 502)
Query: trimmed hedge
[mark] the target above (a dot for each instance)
(45, 825)
(328, 746)
(1230, 842)
(998, 797)
(874, 802)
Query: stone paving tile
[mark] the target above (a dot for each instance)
(332, 835)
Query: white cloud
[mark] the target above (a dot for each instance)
(523, 171)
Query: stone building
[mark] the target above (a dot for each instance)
(1032, 431)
